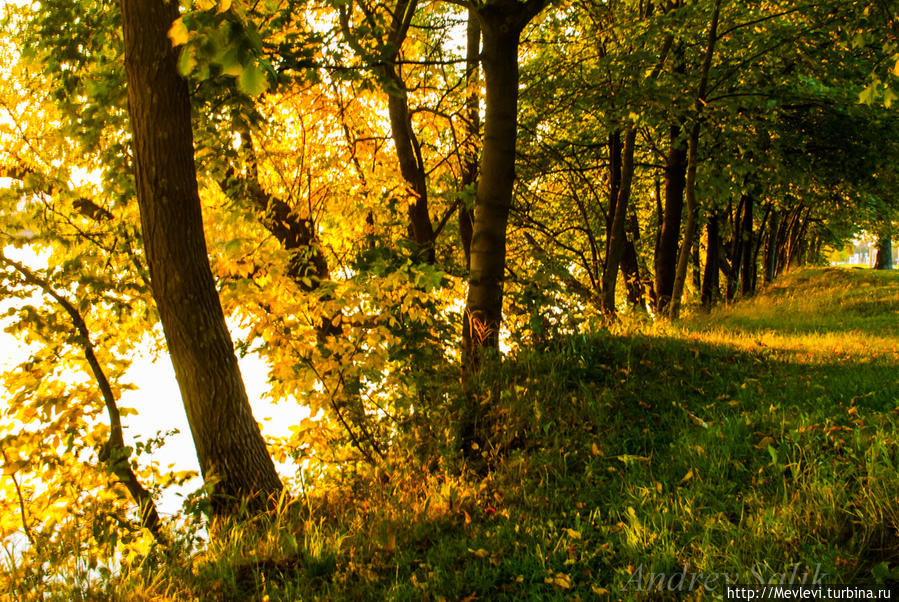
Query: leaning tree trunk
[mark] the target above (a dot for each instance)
(230, 448)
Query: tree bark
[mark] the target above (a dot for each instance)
(771, 247)
(736, 251)
(472, 131)
(747, 273)
(884, 258)
(692, 159)
(630, 266)
(710, 278)
(501, 25)
(666, 250)
(617, 239)
(230, 448)
(408, 149)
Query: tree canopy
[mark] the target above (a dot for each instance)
(388, 198)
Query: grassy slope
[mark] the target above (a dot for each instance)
(756, 437)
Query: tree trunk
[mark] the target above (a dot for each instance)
(615, 150)
(736, 252)
(695, 261)
(692, 159)
(690, 193)
(230, 448)
(472, 131)
(630, 266)
(412, 168)
(884, 257)
(710, 280)
(666, 251)
(747, 273)
(616, 237)
(501, 25)
(771, 247)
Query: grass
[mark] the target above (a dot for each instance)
(758, 442)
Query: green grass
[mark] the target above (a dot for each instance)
(760, 438)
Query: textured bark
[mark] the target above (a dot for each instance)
(669, 237)
(771, 247)
(747, 272)
(230, 448)
(735, 256)
(472, 131)
(616, 236)
(615, 151)
(695, 263)
(501, 25)
(630, 266)
(884, 258)
(710, 279)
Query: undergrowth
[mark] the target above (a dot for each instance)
(755, 443)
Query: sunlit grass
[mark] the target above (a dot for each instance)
(755, 442)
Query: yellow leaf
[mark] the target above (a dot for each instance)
(594, 449)
(687, 476)
(599, 591)
(224, 5)
(658, 487)
(480, 552)
(560, 580)
(572, 533)
(765, 442)
(178, 33)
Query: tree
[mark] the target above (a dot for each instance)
(501, 25)
(229, 446)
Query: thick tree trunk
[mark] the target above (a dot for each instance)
(666, 251)
(229, 446)
(884, 257)
(710, 279)
(501, 25)
(616, 236)
(488, 245)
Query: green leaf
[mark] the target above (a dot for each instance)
(187, 61)
(252, 80)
